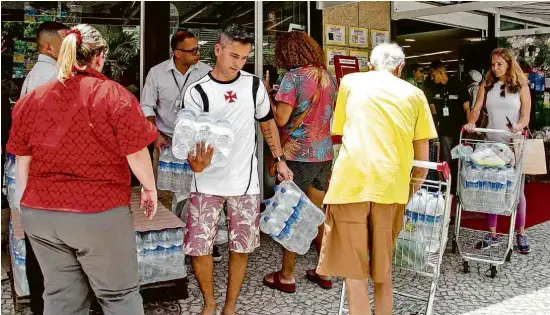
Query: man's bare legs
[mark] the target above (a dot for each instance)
(358, 297)
(357, 292)
(237, 271)
(203, 268)
(383, 298)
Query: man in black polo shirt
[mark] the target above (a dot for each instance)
(451, 101)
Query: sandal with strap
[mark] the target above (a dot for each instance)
(312, 276)
(278, 285)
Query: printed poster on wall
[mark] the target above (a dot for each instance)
(330, 52)
(335, 35)
(363, 57)
(379, 37)
(358, 37)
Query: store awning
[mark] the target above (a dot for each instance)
(535, 15)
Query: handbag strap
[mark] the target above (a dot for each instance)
(303, 115)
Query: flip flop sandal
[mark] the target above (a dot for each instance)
(312, 276)
(277, 285)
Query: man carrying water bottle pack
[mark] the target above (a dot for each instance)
(161, 100)
(240, 98)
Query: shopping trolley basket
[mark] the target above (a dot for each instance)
(420, 245)
(489, 190)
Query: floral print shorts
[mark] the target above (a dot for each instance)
(243, 216)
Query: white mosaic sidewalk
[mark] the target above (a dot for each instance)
(521, 287)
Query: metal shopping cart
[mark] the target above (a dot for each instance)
(490, 191)
(418, 252)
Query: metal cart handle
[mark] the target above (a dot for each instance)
(487, 130)
(440, 167)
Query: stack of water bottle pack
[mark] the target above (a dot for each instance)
(423, 224)
(290, 218)
(193, 127)
(488, 177)
(160, 255)
(9, 181)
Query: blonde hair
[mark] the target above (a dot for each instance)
(514, 77)
(75, 54)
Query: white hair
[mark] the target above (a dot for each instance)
(387, 56)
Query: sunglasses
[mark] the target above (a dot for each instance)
(502, 90)
(193, 51)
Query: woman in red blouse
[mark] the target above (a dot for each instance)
(74, 138)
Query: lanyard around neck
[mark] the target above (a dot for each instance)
(184, 82)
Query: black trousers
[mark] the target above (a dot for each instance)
(35, 279)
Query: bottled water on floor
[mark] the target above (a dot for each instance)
(160, 255)
(291, 218)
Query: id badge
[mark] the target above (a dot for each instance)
(177, 105)
(446, 111)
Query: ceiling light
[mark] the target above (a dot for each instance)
(406, 46)
(430, 54)
(424, 63)
(410, 39)
(476, 39)
(450, 60)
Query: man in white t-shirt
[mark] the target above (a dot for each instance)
(238, 97)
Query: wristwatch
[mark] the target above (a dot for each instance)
(280, 159)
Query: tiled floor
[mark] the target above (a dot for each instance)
(521, 287)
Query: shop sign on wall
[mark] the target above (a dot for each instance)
(330, 52)
(362, 57)
(358, 37)
(378, 37)
(335, 35)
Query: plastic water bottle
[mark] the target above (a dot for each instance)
(139, 243)
(272, 222)
(205, 124)
(185, 133)
(436, 205)
(150, 241)
(164, 180)
(219, 159)
(510, 178)
(179, 237)
(163, 239)
(225, 137)
(286, 196)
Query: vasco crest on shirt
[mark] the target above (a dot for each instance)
(230, 96)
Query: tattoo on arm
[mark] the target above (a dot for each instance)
(271, 136)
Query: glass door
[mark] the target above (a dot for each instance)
(206, 20)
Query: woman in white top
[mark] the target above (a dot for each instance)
(507, 97)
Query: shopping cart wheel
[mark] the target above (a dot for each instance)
(466, 266)
(493, 271)
(509, 256)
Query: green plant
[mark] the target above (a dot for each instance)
(123, 49)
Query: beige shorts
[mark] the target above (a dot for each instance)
(353, 232)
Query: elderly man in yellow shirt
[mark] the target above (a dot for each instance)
(385, 122)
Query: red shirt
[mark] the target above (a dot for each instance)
(79, 135)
